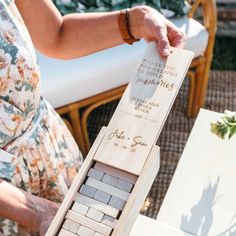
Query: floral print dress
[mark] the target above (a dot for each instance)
(37, 151)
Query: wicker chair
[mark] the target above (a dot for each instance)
(77, 113)
(199, 72)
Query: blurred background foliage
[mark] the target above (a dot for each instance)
(224, 56)
(177, 7)
(225, 48)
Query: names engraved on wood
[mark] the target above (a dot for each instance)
(143, 109)
(121, 140)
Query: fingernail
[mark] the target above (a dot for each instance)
(165, 52)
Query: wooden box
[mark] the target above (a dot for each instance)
(108, 192)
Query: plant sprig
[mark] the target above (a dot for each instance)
(226, 126)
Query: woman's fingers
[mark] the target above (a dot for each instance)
(179, 40)
(155, 27)
(176, 37)
(167, 34)
(163, 41)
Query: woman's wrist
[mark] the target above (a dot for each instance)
(136, 20)
(35, 207)
(45, 212)
(40, 211)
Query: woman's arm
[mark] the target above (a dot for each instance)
(28, 210)
(80, 34)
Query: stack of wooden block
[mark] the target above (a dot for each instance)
(99, 202)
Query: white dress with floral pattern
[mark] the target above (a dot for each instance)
(37, 152)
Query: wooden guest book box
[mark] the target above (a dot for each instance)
(111, 186)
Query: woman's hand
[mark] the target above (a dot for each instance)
(147, 23)
(30, 211)
(46, 216)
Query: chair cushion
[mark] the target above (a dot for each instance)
(65, 82)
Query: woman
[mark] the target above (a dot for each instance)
(37, 153)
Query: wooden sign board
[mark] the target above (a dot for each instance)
(105, 197)
(143, 109)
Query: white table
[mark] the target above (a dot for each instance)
(201, 196)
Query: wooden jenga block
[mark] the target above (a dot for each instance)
(116, 172)
(109, 221)
(64, 232)
(95, 215)
(85, 221)
(96, 174)
(80, 208)
(102, 196)
(71, 226)
(84, 231)
(107, 188)
(110, 179)
(100, 206)
(117, 203)
(88, 190)
(124, 185)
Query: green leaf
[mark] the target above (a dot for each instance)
(229, 119)
(232, 131)
(227, 125)
(223, 131)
